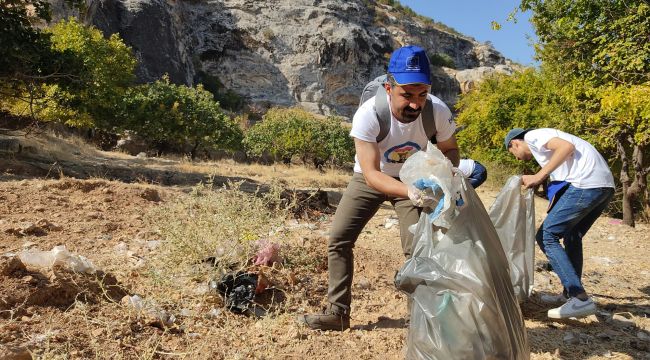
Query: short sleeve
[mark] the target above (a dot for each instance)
(365, 125)
(445, 124)
(538, 138)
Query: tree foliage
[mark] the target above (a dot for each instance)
(285, 133)
(602, 41)
(593, 82)
(165, 112)
(107, 71)
(27, 59)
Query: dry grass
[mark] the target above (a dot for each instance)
(291, 175)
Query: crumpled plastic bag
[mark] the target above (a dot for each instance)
(267, 253)
(58, 256)
(513, 216)
(431, 171)
(238, 291)
(464, 306)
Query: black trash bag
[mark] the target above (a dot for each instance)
(238, 291)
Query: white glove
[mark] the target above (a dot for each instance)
(420, 198)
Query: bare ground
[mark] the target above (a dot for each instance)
(57, 314)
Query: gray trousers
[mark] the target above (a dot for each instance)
(358, 205)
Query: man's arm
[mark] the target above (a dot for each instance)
(449, 148)
(562, 149)
(368, 156)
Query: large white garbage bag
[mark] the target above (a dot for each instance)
(464, 306)
(513, 216)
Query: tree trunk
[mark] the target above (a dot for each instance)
(628, 210)
(193, 151)
(641, 177)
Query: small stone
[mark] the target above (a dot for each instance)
(97, 332)
(622, 322)
(643, 336)
(364, 284)
(141, 155)
(571, 338)
(25, 318)
(214, 313)
(607, 335)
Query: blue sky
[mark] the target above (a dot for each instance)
(473, 18)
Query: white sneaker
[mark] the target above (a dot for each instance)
(553, 298)
(574, 307)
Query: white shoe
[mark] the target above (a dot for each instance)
(553, 298)
(574, 307)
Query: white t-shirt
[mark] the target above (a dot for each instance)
(584, 169)
(403, 140)
(466, 166)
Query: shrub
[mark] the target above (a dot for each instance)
(442, 59)
(285, 133)
(215, 227)
(166, 112)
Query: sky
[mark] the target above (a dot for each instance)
(473, 18)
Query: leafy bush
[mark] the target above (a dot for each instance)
(285, 133)
(498, 104)
(162, 111)
(88, 84)
(442, 59)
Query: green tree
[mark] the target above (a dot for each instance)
(166, 112)
(107, 72)
(285, 133)
(27, 59)
(604, 46)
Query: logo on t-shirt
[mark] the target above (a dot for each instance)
(399, 153)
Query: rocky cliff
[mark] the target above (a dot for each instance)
(317, 54)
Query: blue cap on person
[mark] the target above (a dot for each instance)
(516, 133)
(410, 65)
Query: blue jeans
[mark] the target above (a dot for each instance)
(478, 176)
(570, 218)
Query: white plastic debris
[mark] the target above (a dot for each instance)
(58, 256)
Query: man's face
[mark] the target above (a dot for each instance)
(520, 150)
(407, 101)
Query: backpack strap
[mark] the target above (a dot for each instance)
(382, 110)
(429, 122)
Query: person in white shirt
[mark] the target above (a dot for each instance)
(474, 171)
(376, 172)
(581, 187)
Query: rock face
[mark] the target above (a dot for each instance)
(317, 54)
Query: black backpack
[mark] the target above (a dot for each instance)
(376, 87)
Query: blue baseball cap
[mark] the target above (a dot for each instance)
(516, 133)
(410, 65)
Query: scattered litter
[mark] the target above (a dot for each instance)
(267, 253)
(151, 313)
(611, 238)
(238, 291)
(615, 221)
(58, 256)
(214, 313)
(390, 222)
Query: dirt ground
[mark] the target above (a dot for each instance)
(55, 314)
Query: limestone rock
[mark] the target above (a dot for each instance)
(313, 54)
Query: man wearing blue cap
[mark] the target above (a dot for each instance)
(376, 171)
(581, 187)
